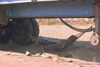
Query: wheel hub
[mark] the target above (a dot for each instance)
(94, 40)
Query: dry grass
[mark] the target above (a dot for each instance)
(71, 22)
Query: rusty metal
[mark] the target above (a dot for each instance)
(3, 17)
(97, 19)
(32, 38)
(3, 32)
(94, 40)
(65, 43)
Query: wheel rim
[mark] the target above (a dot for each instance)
(94, 40)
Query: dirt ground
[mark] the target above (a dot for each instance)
(79, 54)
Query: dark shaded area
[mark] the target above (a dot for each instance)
(80, 49)
(45, 42)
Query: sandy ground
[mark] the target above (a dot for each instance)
(81, 49)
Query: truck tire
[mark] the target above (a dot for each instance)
(28, 25)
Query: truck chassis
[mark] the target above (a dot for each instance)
(17, 17)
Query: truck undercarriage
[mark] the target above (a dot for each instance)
(17, 17)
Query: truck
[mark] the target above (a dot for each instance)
(17, 17)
